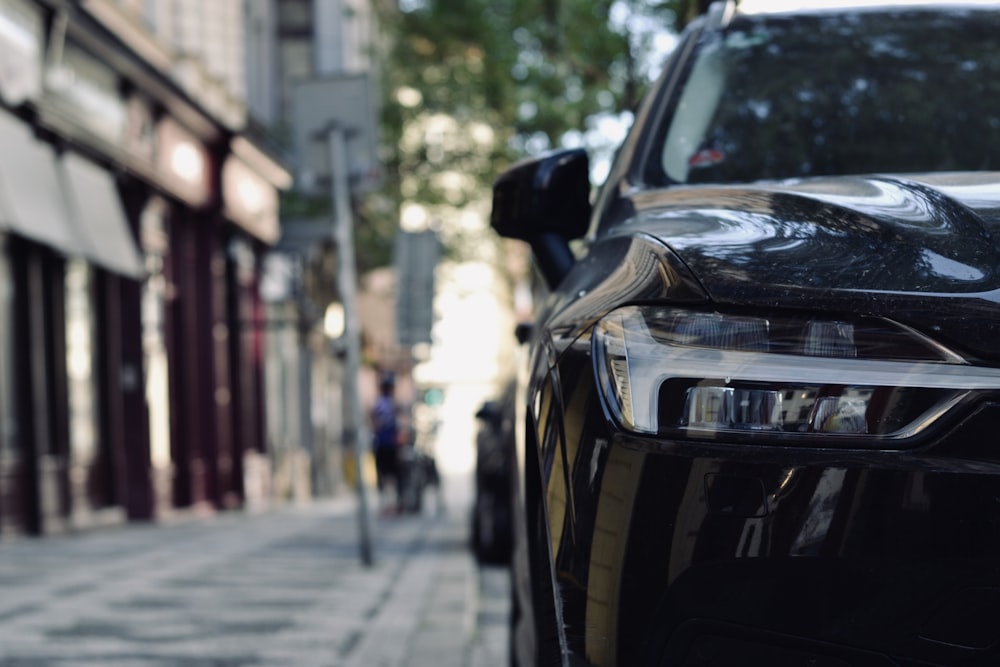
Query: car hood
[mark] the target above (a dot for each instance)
(921, 248)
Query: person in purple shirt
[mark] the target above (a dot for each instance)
(385, 431)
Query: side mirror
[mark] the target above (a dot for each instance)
(546, 202)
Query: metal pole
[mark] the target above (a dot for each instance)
(354, 422)
(305, 411)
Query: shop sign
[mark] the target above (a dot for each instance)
(20, 51)
(183, 163)
(249, 200)
(89, 90)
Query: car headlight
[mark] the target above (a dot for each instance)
(668, 370)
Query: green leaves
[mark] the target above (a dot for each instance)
(471, 85)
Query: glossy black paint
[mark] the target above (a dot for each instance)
(642, 550)
(786, 548)
(921, 248)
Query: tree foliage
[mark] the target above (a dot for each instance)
(469, 86)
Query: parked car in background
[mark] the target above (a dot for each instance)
(491, 509)
(761, 414)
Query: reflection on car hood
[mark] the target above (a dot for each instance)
(922, 246)
(926, 234)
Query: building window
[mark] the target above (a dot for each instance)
(295, 16)
(296, 59)
(150, 13)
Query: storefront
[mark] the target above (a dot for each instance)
(250, 181)
(131, 226)
(70, 256)
(20, 79)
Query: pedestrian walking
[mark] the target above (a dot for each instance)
(386, 441)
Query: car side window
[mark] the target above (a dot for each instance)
(820, 95)
(696, 107)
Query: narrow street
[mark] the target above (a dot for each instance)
(277, 588)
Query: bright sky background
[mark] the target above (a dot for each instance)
(472, 323)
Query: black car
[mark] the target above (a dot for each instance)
(762, 412)
(492, 505)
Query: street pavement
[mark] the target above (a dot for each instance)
(284, 587)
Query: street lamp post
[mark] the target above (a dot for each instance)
(354, 422)
(338, 110)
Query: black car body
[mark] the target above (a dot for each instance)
(761, 413)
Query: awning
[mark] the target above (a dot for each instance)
(31, 199)
(67, 203)
(101, 224)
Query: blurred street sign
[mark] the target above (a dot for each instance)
(300, 234)
(417, 255)
(345, 101)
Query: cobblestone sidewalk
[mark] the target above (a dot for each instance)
(281, 588)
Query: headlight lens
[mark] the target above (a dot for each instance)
(667, 370)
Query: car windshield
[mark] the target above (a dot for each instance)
(785, 97)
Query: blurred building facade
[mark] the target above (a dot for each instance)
(136, 206)
(291, 42)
